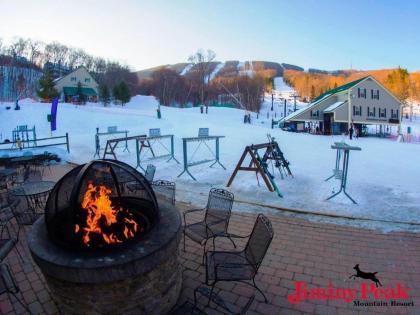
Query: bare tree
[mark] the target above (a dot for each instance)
(200, 72)
(99, 65)
(75, 58)
(34, 48)
(18, 47)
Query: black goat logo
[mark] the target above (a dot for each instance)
(365, 275)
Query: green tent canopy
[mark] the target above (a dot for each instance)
(70, 91)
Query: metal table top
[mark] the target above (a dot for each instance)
(32, 188)
(7, 172)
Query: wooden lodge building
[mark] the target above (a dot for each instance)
(67, 86)
(359, 103)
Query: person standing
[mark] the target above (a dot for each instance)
(351, 130)
(19, 144)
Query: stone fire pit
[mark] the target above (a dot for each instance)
(141, 278)
(105, 245)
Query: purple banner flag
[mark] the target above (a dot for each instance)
(54, 113)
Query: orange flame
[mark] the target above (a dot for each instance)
(99, 209)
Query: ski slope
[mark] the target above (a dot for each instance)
(383, 177)
(280, 85)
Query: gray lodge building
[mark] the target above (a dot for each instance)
(361, 102)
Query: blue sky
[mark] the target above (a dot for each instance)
(323, 34)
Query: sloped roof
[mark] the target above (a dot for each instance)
(326, 95)
(294, 114)
(71, 72)
(333, 107)
(340, 88)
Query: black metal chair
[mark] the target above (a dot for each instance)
(149, 174)
(7, 241)
(166, 188)
(241, 266)
(37, 202)
(191, 307)
(216, 219)
(8, 285)
(23, 214)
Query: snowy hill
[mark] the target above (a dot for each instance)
(383, 177)
(228, 68)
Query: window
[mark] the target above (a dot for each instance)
(361, 93)
(73, 79)
(374, 94)
(394, 114)
(87, 80)
(357, 110)
(315, 113)
(371, 113)
(382, 112)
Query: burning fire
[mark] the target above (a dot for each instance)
(100, 211)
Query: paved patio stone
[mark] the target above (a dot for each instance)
(315, 253)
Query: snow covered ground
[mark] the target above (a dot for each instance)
(383, 177)
(280, 85)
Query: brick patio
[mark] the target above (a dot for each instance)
(315, 253)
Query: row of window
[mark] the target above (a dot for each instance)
(371, 112)
(73, 79)
(361, 93)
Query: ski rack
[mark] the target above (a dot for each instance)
(203, 138)
(259, 164)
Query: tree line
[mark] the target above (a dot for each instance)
(401, 83)
(198, 87)
(32, 54)
(404, 85)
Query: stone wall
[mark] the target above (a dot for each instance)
(155, 292)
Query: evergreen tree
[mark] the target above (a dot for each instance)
(79, 92)
(121, 92)
(116, 92)
(47, 90)
(104, 95)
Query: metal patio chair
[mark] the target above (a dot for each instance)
(23, 213)
(216, 219)
(166, 188)
(149, 174)
(8, 285)
(241, 266)
(191, 307)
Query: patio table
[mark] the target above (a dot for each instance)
(35, 192)
(6, 172)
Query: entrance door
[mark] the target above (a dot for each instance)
(328, 117)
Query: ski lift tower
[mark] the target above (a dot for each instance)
(295, 96)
